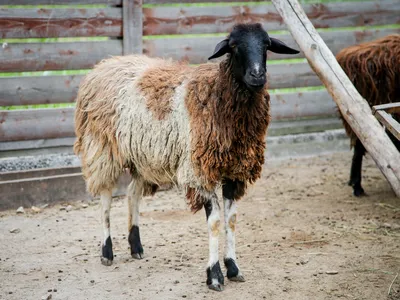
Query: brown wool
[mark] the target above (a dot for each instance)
(158, 85)
(374, 69)
(228, 125)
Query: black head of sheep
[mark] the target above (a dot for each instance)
(247, 46)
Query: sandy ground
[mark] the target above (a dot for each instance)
(297, 223)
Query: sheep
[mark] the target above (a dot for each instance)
(198, 128)
(374, 69)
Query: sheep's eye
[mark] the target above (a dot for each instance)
(233, 46)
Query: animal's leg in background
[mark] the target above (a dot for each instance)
(215, 278)
(356, 166)
(233, 271)
(135, 193)
(106, 249)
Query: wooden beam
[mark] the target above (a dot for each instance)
(133, 26)
(220, 19)
(390, 108)
(387, 120)
(353, 107)
(56, 56)
(60, 22)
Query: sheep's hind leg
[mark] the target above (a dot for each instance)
(135, 193)
(356, 167)
(215, 278)
(106, 249)
(233, 272)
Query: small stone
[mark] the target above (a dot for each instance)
(176, 281)
(20, 210)
(15, 230)
(92, 281)
(84, 205)
(332, 272)
(44, 206)
(304, 261)
(62, 208)
(47, 297)
(315, 274)
(395, 226)
(386, 225)
(68, 208)
(36, 209)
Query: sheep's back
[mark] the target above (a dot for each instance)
(374, 69)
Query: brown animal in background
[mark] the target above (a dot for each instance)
(374, 69)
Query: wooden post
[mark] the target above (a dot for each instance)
(133, 26)
(353, 107)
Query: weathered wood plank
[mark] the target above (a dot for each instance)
(59, 2)
(387, 120)
(38, 90)
(61, 22)
(109, 2)
(302, 105)
(56, 56)
(388, 107)
(55, 123)
(133, 26)
(82, 55)
(191, 20)
(197, 50)
(63, 89)
(36, 124)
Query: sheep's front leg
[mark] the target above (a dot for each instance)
(106, 249)
(215, 278)
(233, 271)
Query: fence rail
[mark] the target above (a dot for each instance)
(56, 123)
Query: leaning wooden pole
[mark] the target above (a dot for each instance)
(353, 107)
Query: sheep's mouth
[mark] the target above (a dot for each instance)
(255, 86)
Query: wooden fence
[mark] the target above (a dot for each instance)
(180, 32)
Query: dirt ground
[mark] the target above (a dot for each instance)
(297, 223)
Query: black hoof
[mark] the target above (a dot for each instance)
(233, 272)
(358, 192)
(216, 287)
(134, 241)
(137, 255)
(215, 278)
(106, 261)
(107, 253)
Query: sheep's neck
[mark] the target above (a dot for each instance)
(228, 126)
(239, 113)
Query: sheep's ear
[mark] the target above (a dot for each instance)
(280, 47)
(221, 49)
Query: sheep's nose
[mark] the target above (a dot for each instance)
(257, 73)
